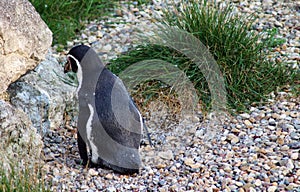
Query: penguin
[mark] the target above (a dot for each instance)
(109, 123)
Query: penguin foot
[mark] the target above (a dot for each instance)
(88, 163)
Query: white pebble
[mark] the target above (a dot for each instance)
(106, 48)
(272, 188)
(294, 156)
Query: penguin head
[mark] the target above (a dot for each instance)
(74, 58)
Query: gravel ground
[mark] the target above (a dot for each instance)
(255, 151)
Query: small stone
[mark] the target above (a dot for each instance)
(293, 114)
(167, 155)
(273, 138)
(275, 116)
(195, 166)
(109, 176)
(252, 120)
(92, 39)
(173, 168)
(239, 184)
(233, 138)
(272, 188)
(278, 24)
(266, 167)
(178, 165)
(99, 34)
(199, 133)
(294, 135)
(272, 122)
(70, 43)
(84, 187)
(161, 182)
(289, 127)
(56, 172)
(271, 127)
(161, 165)
(257, 182)
(84, 36)
(280, 140)
(284, 47)
(135, 9)
(248, 124)
(295, 145)
(290, 165)
(285, 148)
(235, 130)
(227, 168)
(111, 189)
(92, 172)
(245, 115)
(292, 186)
(151, 172)
(106, 48)
(189, 161)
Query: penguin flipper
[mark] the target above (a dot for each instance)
(82, 149)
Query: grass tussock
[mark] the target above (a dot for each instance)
(240, 52)
(25, 179)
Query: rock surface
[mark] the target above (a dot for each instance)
(24, 40)
(43, 95)
(19, 140)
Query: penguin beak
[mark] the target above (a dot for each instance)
(67, 66)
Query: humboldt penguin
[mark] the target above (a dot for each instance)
(109, 123)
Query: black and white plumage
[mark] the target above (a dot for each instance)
(109, 123)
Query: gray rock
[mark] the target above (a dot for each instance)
(19, 141)
(43, 95)
(24, 40)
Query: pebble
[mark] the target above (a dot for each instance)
(294, 156)
(272, 188)
(106, 48)
(109, 176)
(111, 189)
(168, 155)
(295, 145)
(253, 151)
(245, 115)
(290, 165)
(257, 182)
(248, 124)
(233, 138)
(92, 172)
(189, 161)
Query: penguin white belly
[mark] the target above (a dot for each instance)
(90, 138)
(79, 78)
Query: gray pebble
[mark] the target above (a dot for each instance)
(294, 145)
